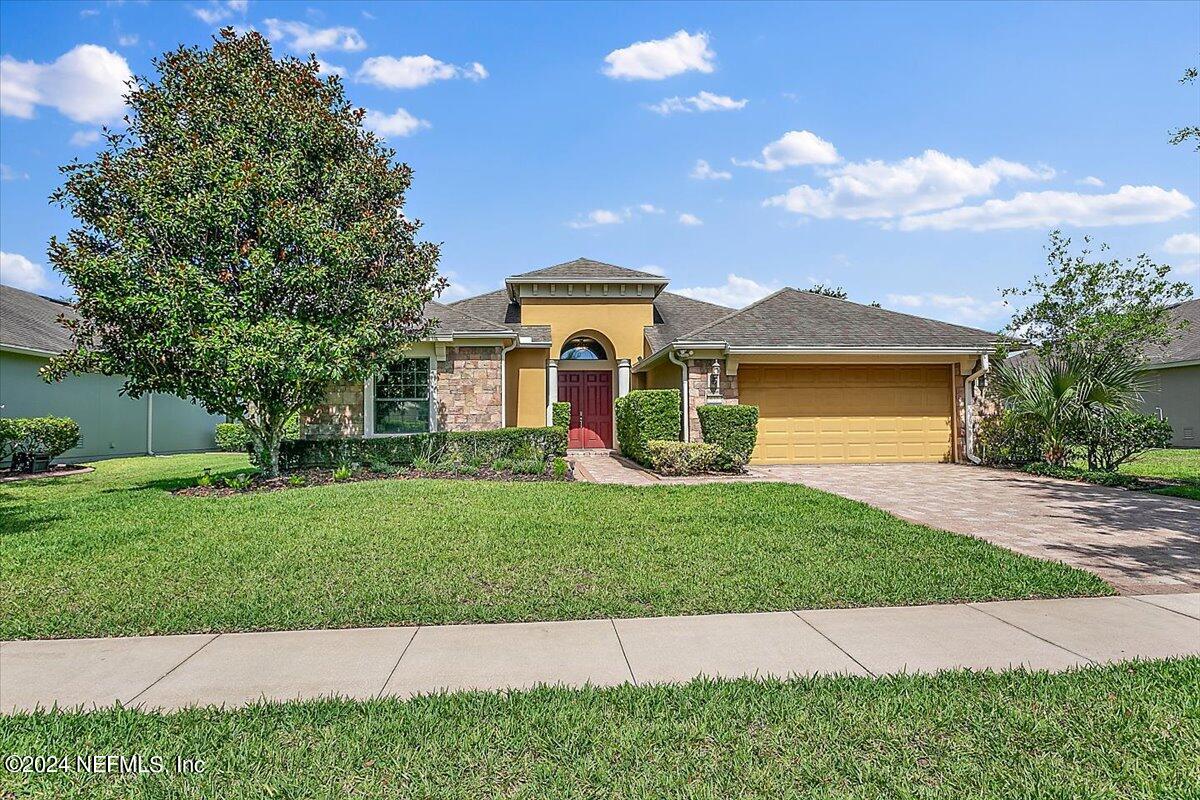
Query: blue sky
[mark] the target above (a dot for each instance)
(915, 154)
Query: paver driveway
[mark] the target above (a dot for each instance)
(1141, 543)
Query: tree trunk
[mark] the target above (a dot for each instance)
(265, 439)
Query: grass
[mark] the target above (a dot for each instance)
(114, 553)
(1173, 464)
(1120, 731)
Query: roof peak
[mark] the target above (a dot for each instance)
(583, 268)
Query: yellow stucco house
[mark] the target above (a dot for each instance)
(834, 381)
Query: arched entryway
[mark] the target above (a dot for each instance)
(586, 379)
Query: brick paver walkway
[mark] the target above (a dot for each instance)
(601, 466)
(1142, 543)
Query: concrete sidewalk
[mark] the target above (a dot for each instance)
(167, 672)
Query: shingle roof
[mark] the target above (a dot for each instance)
(539, 334)
(675, 315)
(793, 318)
(587, 268)
(30, 321)
(456, 320)
(1185, 339)
(494, 306)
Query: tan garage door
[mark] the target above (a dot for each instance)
(849, 414)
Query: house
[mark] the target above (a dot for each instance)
(1172, 373)
(110, 423)
(835, 381)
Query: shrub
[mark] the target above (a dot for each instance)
(1004, 439)
(560, 468)
(734, 429)
(1075, 474)
(239, 482)
(1109, 440)
(562, 415)
(529, 466)
(427, 449)
(644, 415)
(233, 437)
(681, 458)
(29, 439)
(297, 480)
(342, 472)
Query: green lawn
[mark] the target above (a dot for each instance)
(1122, 731)
(114, 553)
(1174, 464)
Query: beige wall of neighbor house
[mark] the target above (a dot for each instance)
(1176, 392)
(620, 320)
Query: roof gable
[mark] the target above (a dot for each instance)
(1185, 336)
(794, 318)
(586, 268)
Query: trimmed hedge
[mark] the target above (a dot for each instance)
(232, 437)
(646, 414)
(1098, 477)
(28, 439)
(469, 447)
(681, 458)
(734, 429)
(562, 415)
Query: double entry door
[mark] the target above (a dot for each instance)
(590, 394)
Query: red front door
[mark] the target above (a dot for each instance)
(590, 394)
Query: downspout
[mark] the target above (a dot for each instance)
(504, 351)
(683, 394)
(969, 411)
(150, 424)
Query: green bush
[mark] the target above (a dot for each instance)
(646, 414)
(232, 437)
(734, 429)
(1109, 440)
(427, 449)
(681, 458)
(560, 468)
(28, 439)
(1099, 477)
(1003, 439)
(562, 415)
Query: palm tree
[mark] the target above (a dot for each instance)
(1062, 396)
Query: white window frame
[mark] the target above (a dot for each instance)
(369, 402)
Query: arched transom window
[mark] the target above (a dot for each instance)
(583, 348)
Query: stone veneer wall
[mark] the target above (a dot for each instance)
(341, 415)
(698, 372)
(468, 389)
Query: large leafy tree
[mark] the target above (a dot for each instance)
(1091, 308)
(241, 242)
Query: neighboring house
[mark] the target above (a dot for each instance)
(110, 424)
(835, 381)
(1173, 375)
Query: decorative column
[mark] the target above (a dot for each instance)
(623, 376)
(551, 389)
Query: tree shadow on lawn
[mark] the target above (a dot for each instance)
(17, 516)
(171, 484)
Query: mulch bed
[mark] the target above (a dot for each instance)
(55, 471)
(323, 477)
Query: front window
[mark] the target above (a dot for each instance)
(402, 397)
(583, 348)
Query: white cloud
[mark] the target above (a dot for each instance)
(325, 68)
(1183, 244)
(1129, 205)
(89, 12)
(953, 308)
(600, 216)
(457, 289)
(410, 72)
(216, 11)
(691, 220)
(85, 84)
(7, 173)
(84, 138)
(661, 58)
(883, 190)
(649, 208)
(127, 39)
(17, 270)
(654, 269)
(704, 172)
(736, 292)
(301, 36)
(794, 149)
(400, 123)
(705, 101)
(1090, 180)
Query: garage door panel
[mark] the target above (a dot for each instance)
(849, 414)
